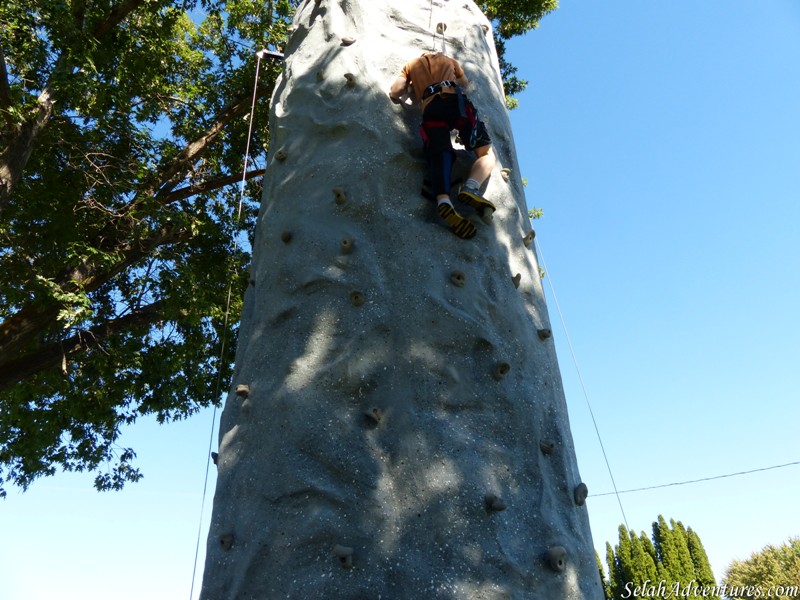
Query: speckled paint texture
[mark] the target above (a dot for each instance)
(404, 434)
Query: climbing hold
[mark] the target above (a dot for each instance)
(487, 215)
(348, 41)
(253, 282)
(580, 493)
(501, 369)
(346, 246)
(320, 75)
(441, 28)
(505, 174)
(339, 196)
(215, 458)
(226, 541)
(344, 554)
(485, 28)
(458, 278)
(281, 154)
(493, 503)
(286, 236)
(374, 415)
(351, 79)
(544, 333)
(357, 298)
(243, 390)
(528, 239)
(516, 279)
(547, 447)
(556, 558)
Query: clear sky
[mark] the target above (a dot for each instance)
(662, 140)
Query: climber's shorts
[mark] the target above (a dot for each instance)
(442, 115)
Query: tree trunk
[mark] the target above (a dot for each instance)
(400, 429)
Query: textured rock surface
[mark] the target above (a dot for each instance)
(404, 434)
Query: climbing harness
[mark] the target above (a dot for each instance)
(467, 121)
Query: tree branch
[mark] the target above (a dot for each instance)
(18, 151)
(5, 91)
(27, 324)
(172, 174)
(209, 185)
(52, 354)
(115, 17)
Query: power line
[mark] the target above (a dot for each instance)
(663, 485)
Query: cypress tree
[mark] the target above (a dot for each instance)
(603, 579)
(648, 546)
(662, 541)
(627, 568)
(684, 568)
(644, 563)
(675, 554)
(702, 567)
(613, 589)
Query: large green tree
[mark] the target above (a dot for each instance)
(123, 125)
(772, 566)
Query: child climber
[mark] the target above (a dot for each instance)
(438, 83)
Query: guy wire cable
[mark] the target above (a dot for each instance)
(217, 391)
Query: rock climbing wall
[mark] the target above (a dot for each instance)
(396, 426)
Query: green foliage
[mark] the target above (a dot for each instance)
(675, 556)
(603, 580)
(512, 18)
(610, 584)
(771, 566)
(672, 547)
(122, 129)
(515, 17)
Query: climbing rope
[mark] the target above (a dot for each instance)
(580, 378)
(440, 29)
(223, 343)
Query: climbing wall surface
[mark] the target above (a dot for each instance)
(396, 427)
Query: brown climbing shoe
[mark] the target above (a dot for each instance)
(462, 227)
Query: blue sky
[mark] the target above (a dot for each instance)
(661, 140)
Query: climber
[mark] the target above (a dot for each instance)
(438, 82)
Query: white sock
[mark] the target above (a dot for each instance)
(471, 183)
(441, 201)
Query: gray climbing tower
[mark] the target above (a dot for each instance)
(396, 427)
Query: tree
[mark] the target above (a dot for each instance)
(674, 556)
(603, 579)
(672, 547)
(630, 562)
(702, 567)
(122, 131)
(772, 566)
(396, 425)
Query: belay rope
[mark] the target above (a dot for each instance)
(440, 29)
(218, 387)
